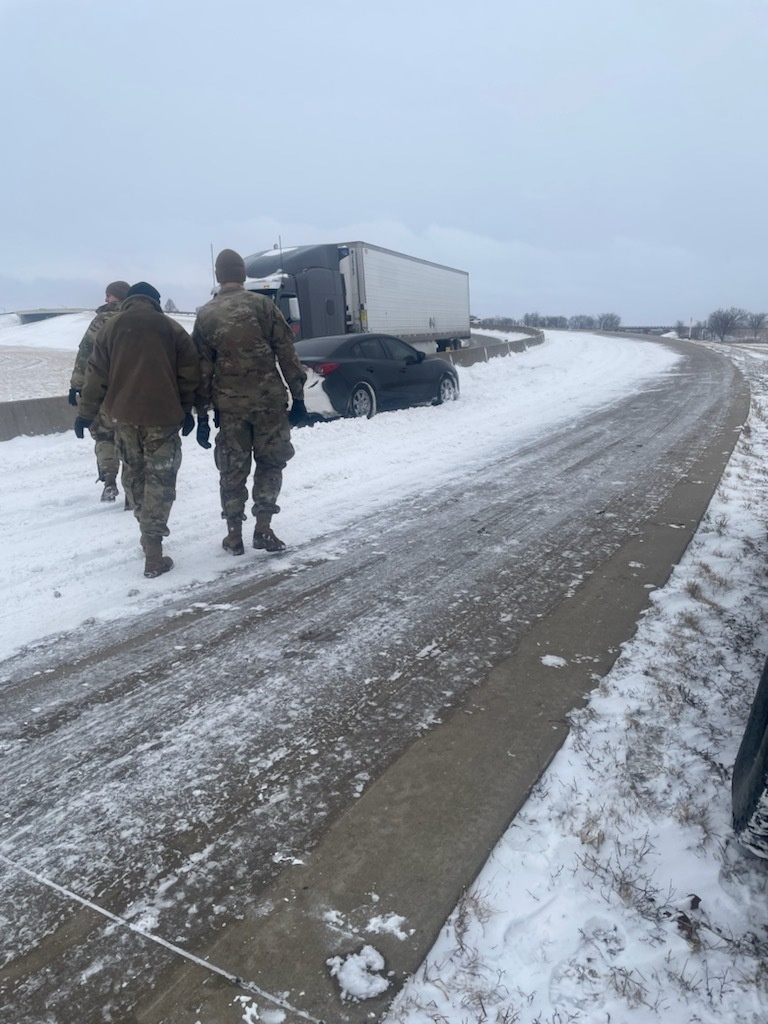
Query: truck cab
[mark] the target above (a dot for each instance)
(305, 285)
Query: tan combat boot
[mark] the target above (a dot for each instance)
(233, 542)
(155, 562)
(264, 539)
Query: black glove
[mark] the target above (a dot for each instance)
(297, 413)
(73, 393)
(189, 424)
(80, 424)
(216, 422)
(203, 431)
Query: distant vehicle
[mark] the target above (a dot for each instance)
(362, 374)
(355, 287)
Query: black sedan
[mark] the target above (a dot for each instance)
(361, 374)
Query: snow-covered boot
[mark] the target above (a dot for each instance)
(233, 542)
(264, 538)
(155, 562)
(110, 487)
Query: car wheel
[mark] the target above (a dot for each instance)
(362, 401)
(447, 391)
(749, 789)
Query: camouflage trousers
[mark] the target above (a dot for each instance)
(103, 434)
(151, 457)
(264, 438)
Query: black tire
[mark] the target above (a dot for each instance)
(749, 789)
(447, 389)
(362, 401)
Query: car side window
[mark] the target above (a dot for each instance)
(368, 348)
(397, 349)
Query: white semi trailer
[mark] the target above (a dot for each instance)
(337, 288)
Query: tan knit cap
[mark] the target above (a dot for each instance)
(117, 288)
(230, 267)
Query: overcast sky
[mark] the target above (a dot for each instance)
(574, 157)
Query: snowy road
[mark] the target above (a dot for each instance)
(167, 764)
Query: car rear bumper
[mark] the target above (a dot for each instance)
(315, 397)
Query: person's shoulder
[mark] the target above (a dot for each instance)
(207, 312)
(109, 314)
(103, 313)
(260, 306)
(257, 299)
(104, 320)
(232, 303)
(242, 296)
(209, 305)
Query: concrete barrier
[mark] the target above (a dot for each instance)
(34, 416)
(494, 349)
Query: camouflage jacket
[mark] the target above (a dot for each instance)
(144, 369)
(246, 354)
(103, 313)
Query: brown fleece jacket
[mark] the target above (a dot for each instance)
(144, 368)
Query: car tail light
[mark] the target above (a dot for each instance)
(325, 368)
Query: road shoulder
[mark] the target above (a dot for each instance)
(416, 838)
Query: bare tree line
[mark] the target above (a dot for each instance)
(732, 322)
(582, 322)
(722, 323)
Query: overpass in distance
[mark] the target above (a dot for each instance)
(647, 329)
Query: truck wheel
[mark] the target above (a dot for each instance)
(362, 401)
(749, 789)
(446, 390)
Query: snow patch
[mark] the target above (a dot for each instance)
(553, 661)
(358, 974)
(390, 924)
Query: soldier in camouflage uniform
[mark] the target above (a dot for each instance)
(107, 461)
(143, 372)
(247, 358)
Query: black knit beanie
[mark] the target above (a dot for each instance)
(142, 288)
(230, 267)
(119, 289)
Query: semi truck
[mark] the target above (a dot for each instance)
(338, 288)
